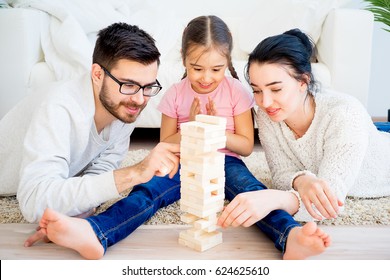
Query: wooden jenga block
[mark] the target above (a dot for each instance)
(206, 158)
(188, 218)
(190, 190)
(201, 130)
(204, 242)
(211, 120)
(186, 196)
(201, 212)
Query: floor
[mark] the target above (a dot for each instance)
(151, 242)
(161, 242)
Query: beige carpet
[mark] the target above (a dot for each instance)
(357, 211)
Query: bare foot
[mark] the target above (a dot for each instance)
(73, 233)
(306, 241)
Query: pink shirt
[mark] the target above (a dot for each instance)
(230, 98)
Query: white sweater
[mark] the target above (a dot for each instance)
(341, 146)
(52, 155)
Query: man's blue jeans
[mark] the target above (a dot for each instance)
(126, 215)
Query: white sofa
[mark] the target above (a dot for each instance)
(43, 41)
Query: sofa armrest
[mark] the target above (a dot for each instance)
(345, 48)
(20, 51)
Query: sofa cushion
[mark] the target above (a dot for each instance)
(280, 16)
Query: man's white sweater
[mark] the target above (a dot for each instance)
(52, 155)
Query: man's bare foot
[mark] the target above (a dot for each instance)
(306, 241)
(73, 233)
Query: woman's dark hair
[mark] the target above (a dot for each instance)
(208, 31)
(124, 41)
(293, 49)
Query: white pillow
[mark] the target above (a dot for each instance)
(270, 18)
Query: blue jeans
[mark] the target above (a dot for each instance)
(383, 126)
(126, 215)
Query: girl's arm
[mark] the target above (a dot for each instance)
(241, 142)
(168, 130)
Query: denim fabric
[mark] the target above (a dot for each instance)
(277, 224)
(383, 126)
(126, 215)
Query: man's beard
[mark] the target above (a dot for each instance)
(114, 109)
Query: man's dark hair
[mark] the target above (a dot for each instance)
(124, 41)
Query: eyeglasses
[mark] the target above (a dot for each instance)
(132, 88)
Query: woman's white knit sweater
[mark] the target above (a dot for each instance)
(342, 146)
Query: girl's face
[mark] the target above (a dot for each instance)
(205, 68)
(276, 92)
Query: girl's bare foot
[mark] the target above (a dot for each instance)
(73, 233)
(306, 241)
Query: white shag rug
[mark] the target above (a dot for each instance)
(357, 211)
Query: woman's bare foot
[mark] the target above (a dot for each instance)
(306, 241)
(73, 233)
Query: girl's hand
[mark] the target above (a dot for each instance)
(316, 193)
(195, 108)
(211, 108)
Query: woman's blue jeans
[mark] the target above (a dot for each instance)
(126, 215)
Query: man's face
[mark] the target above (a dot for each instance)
(127, 108)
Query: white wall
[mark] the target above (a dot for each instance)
(379, 96)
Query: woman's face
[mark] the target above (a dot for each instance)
(276, 92)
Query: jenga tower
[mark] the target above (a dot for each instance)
(202, 177)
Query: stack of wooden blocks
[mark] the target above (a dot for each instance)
(202, 177)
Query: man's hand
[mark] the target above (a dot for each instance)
(162, 160)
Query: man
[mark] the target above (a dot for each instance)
(62, 149)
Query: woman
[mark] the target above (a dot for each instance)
(321, 143)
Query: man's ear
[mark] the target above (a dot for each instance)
(97, 74)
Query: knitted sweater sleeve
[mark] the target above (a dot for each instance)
(45, 176)
(344, 148)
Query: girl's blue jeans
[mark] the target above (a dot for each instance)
(126, 215)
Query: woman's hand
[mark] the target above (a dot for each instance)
(316, 193)
(249, 207)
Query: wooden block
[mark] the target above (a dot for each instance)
(208, 170)
(201, 212)
(201, 178)
(188, 218)
(218, 204)
(204, 223)
(190, 141)
(201, 202)
(194, 149)
(204, 191)
(211, 157)
(204, 242)
(207, 186)
(201, 130)
(211, 119)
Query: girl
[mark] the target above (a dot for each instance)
(206, 54)
(320, 143)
